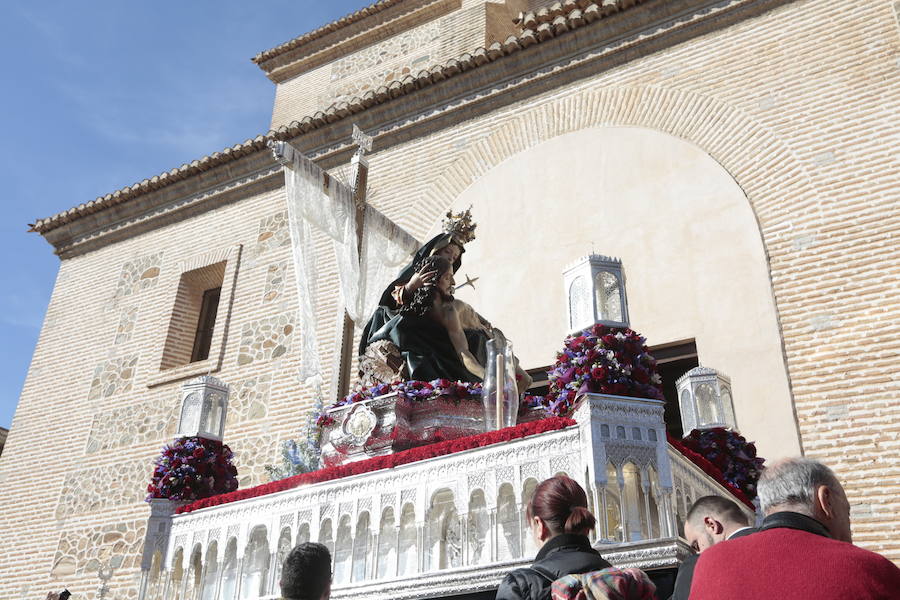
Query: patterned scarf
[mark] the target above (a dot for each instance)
(607, 584)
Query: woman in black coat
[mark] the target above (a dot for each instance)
(559, 521)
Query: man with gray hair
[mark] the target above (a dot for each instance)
(803, 548)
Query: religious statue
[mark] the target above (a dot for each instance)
(419, 330)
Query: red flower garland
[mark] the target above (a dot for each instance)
(602, 360)
(710, 469)
(386, 462)
(191, 468)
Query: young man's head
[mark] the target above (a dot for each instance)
(807, 487)
(306, 574)
(711, 520)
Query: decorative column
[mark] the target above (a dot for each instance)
(604, 521)
(204, 566)
(374, 540)
(273, 570)
(645, 488)
(220, 574)
(397, 544)
(495, 534)
(239, 575)
(626, 530)
(420, 546)
(166, 575)
(159, 524)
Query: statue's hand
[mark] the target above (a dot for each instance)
(421, 278)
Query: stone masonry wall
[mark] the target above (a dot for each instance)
(797, 104)
(74, 473)
(379, 64)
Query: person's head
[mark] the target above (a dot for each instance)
(559, 505)
(306, 574)
(423, 298)
(444, 282)
(808, 487)
(711, 520)
(449, 249)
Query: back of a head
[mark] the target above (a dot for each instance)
(562, 504)
(306, 574)
(722, 509)
(792, 483)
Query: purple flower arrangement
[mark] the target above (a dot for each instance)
(603, 360)
(191, 468)
(731, 453)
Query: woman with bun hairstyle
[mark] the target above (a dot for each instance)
(560, 522)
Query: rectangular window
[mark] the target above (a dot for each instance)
(193, 319)
(209, 306)
(199, 293)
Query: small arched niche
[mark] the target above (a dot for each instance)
(256, 564)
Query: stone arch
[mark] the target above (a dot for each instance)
(762, 167)
(739, 143)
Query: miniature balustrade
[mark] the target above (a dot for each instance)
(704, 397)
(443, 526)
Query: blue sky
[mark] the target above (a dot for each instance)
(99, 95)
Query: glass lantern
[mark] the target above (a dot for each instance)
(500, 395)
(704, 397)
(595, 293)
(204, 403)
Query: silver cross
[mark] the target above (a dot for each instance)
(470, 281)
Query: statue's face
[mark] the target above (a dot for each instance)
(445, 284)
(451, 252)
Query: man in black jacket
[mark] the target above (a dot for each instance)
(712, 519)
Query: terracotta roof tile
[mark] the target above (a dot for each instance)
(537, 26)
(344, 21)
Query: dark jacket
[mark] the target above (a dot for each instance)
(686, 570)
(562, 555)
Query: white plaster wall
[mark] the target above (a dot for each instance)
(694, 261)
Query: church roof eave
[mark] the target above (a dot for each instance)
(545, 30)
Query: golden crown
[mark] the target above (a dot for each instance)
(460, 225)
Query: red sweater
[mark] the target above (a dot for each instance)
(789, 564)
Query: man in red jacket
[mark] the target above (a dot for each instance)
(802, 550)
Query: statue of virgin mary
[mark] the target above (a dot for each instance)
(419, 331)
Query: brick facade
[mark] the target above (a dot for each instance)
(796, 100)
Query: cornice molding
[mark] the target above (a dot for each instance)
(463, 89)
(300, 55)
(149, 212)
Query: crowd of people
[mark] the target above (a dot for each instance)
(802, 550)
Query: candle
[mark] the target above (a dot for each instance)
(501, 380)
